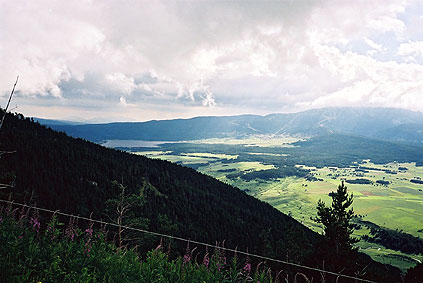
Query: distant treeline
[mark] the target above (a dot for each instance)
(393, 239)
(270, 174)
(361, 181)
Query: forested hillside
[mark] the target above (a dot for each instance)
(381, 123)
(72, 175)
(79, 177)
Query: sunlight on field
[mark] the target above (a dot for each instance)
(179, 158)
(399, 205)
(152, 153)
(258, 140)
(388, 256)
(220, 170)
(383, 193)
(267, 154)
(211, 155)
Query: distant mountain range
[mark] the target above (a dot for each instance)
(56, 122)
(390, 124)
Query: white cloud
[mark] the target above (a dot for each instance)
(122, 100)
(372, 44)
(121, 83)
(370, 82)
(258, 56)
(411, 50)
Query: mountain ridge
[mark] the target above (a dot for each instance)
(377, 123)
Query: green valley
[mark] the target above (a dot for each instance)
(387, 192)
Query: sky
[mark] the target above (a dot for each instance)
(101, 61)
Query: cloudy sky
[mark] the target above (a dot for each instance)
(140, 60)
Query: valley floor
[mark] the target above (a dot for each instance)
(389, 195)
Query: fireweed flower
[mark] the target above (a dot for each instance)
(247, 268)
(35, 223)
(187, 258)
(71, 231)
(87, 248)
(206, 260)
(50, 230)
(89, 232)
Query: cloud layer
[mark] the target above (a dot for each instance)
(140, 60)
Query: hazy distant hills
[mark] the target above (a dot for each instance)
(55, 122)
(381, 123)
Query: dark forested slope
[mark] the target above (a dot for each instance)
(77, 176)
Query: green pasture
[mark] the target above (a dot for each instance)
(211, 155)
(398, 205)
(381, 254)
(384, 255)
(256, 140)
(184, 159)
(153, 153)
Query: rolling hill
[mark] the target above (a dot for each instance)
(78, 177)
(73, 175)
(381, 123)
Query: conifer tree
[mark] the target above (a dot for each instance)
(336, 221)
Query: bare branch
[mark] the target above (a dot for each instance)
(8, 102)
(6, 152)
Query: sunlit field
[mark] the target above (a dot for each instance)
(384, 194)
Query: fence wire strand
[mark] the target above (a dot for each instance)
(101, 222)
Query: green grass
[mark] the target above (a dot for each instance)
(387, 256)
(153, 153)
(184, 159)
(398, 205)
(257, 140)
(211, 155)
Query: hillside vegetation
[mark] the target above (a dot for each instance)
(380, 123)
(55, 254)
(79, 177)
(293, 175)
(73, 175)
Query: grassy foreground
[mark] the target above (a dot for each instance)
(52, 252)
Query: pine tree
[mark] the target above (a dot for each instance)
(336, 221)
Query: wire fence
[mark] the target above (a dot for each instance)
(187, 241)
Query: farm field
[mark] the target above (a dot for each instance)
(387, 194)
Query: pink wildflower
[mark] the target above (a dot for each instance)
(71, 231)
(35, 223)
(87, 248)
(89, 231)
(247, 268)
(206, 260)
(187, 258)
